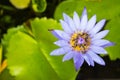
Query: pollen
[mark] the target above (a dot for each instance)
(80, 41)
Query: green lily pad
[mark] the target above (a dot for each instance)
(7, 37)
(102, 8)
(113, 26)
(5, 75)
(29, 57)
(25, 60)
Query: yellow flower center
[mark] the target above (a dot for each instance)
(80, 41)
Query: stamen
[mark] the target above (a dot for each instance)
(80, 42)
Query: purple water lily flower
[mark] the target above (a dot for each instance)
(81, 40)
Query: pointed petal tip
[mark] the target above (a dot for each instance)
(77, 69)
(88, 64)
(64, 14)
(91, 23)
(60, 51)
(51, 54)
(54, 54)
(54, 43)
(84, 7)
(112, 43)
(84, 11)
(105, 52)
(63, 60)
(103, 20)
(92, 65)
(98, 27)
(98, 49)
(78, 61)
(103, 63)
(86, 58)
(94, 16)
(60, 20)
(109, 44)
(107, 31)
(75, 12)
(54, 33)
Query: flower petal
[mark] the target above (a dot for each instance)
(60, 51)
(62, 34)
(90, 59)
(76, 20)
(98, 27)
(83, 19)
(98, 49)
(78, 60)
(85, 56)
(55, 34)
(91, 23)
(66, 17)
(68, 56)
(69, 22)
(100, 35)
(61, 43)
(109, 44)
(100, 42)
(65, 26)
(96, 58)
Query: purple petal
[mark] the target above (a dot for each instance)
(90, 59)
(98, 49)
(69, 22)
(65, 26)
(85, 56)
(98, 27)
(76, 20)
(68, 56)
(60, 51)
(91, 23)
(61, 43)
(66, 17)
(62, 34)
(84, 19)
(100, 35)
(109, 44)
(96, 58)
(100, 42)
(78, 60)
(55, 34)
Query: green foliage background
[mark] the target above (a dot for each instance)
(27, 43)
